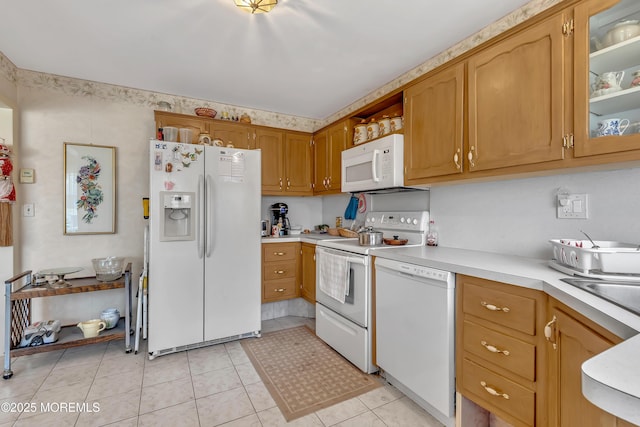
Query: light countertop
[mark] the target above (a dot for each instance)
(611, 380)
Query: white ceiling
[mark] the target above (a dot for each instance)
(308, 58)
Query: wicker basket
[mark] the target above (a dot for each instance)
(347, 233)
(333, 232)
(206, 112)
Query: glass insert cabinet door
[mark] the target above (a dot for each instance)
(607, 76)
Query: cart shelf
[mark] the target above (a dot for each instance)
(18, 315)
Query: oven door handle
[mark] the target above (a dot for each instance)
(364, 260)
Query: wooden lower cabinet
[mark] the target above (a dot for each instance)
(500, 362)
(280, 271)
(308, 287)
(506, 364)
(575, 339)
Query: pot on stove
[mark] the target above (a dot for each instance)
(369, 237)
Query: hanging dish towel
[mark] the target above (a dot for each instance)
(352, 208)
(333, 275)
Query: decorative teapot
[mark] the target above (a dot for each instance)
(91, 328)
(608, 82)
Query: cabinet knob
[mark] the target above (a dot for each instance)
(492, 307)
(492, 391)
(494, 349)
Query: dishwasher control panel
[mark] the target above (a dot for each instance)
(426, 272)
(416, 270)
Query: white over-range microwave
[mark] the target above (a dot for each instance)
(376, 165)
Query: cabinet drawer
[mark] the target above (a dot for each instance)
(506, 309)
(502, 350)
(279, 289)
(279, 270)
(514, 399)
(280, 251)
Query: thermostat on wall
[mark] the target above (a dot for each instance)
(26, 176)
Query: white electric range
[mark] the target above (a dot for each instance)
(343, 283)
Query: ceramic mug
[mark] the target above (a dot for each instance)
(612, 127)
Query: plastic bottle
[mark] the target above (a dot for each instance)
(432, 234)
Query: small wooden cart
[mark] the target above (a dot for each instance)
(18, 314)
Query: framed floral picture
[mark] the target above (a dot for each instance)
(89, 189)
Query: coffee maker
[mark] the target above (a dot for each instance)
(278, 213)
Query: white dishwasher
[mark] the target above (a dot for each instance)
(415, 333)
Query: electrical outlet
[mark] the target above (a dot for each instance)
(28, 209)
(572, 206)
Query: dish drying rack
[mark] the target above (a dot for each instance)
(608, 260)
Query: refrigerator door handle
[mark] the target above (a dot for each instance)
(200, 216)
(209, 226)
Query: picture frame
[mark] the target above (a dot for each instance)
(89, 189)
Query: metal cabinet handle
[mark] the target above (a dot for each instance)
(278, 253)
(281, 183)
(279, 290)
(492, 307)
(288, 183)
(494, 349)
(492, 391)
(470, 157)
(278, 271)
(456, 159)
(548, 332)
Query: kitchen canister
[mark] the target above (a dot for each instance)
(110, 317)
(360, 133)
(396, 123)
(385, 125)
(373, 129)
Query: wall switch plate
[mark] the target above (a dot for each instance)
(28, 209)
(572, 206)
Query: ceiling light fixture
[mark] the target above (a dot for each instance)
(256, 6)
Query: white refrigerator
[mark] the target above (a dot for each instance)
(204, 246)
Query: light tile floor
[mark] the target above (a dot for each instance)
(100, 385)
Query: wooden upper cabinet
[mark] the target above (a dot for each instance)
(241, 136)
(286, 162)
(321, 160)
(592, 20)
(516, 98)
(298, 165)
(270, 142)
(328, 147)
(338, 135)
(433, 134)
(197, 125)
